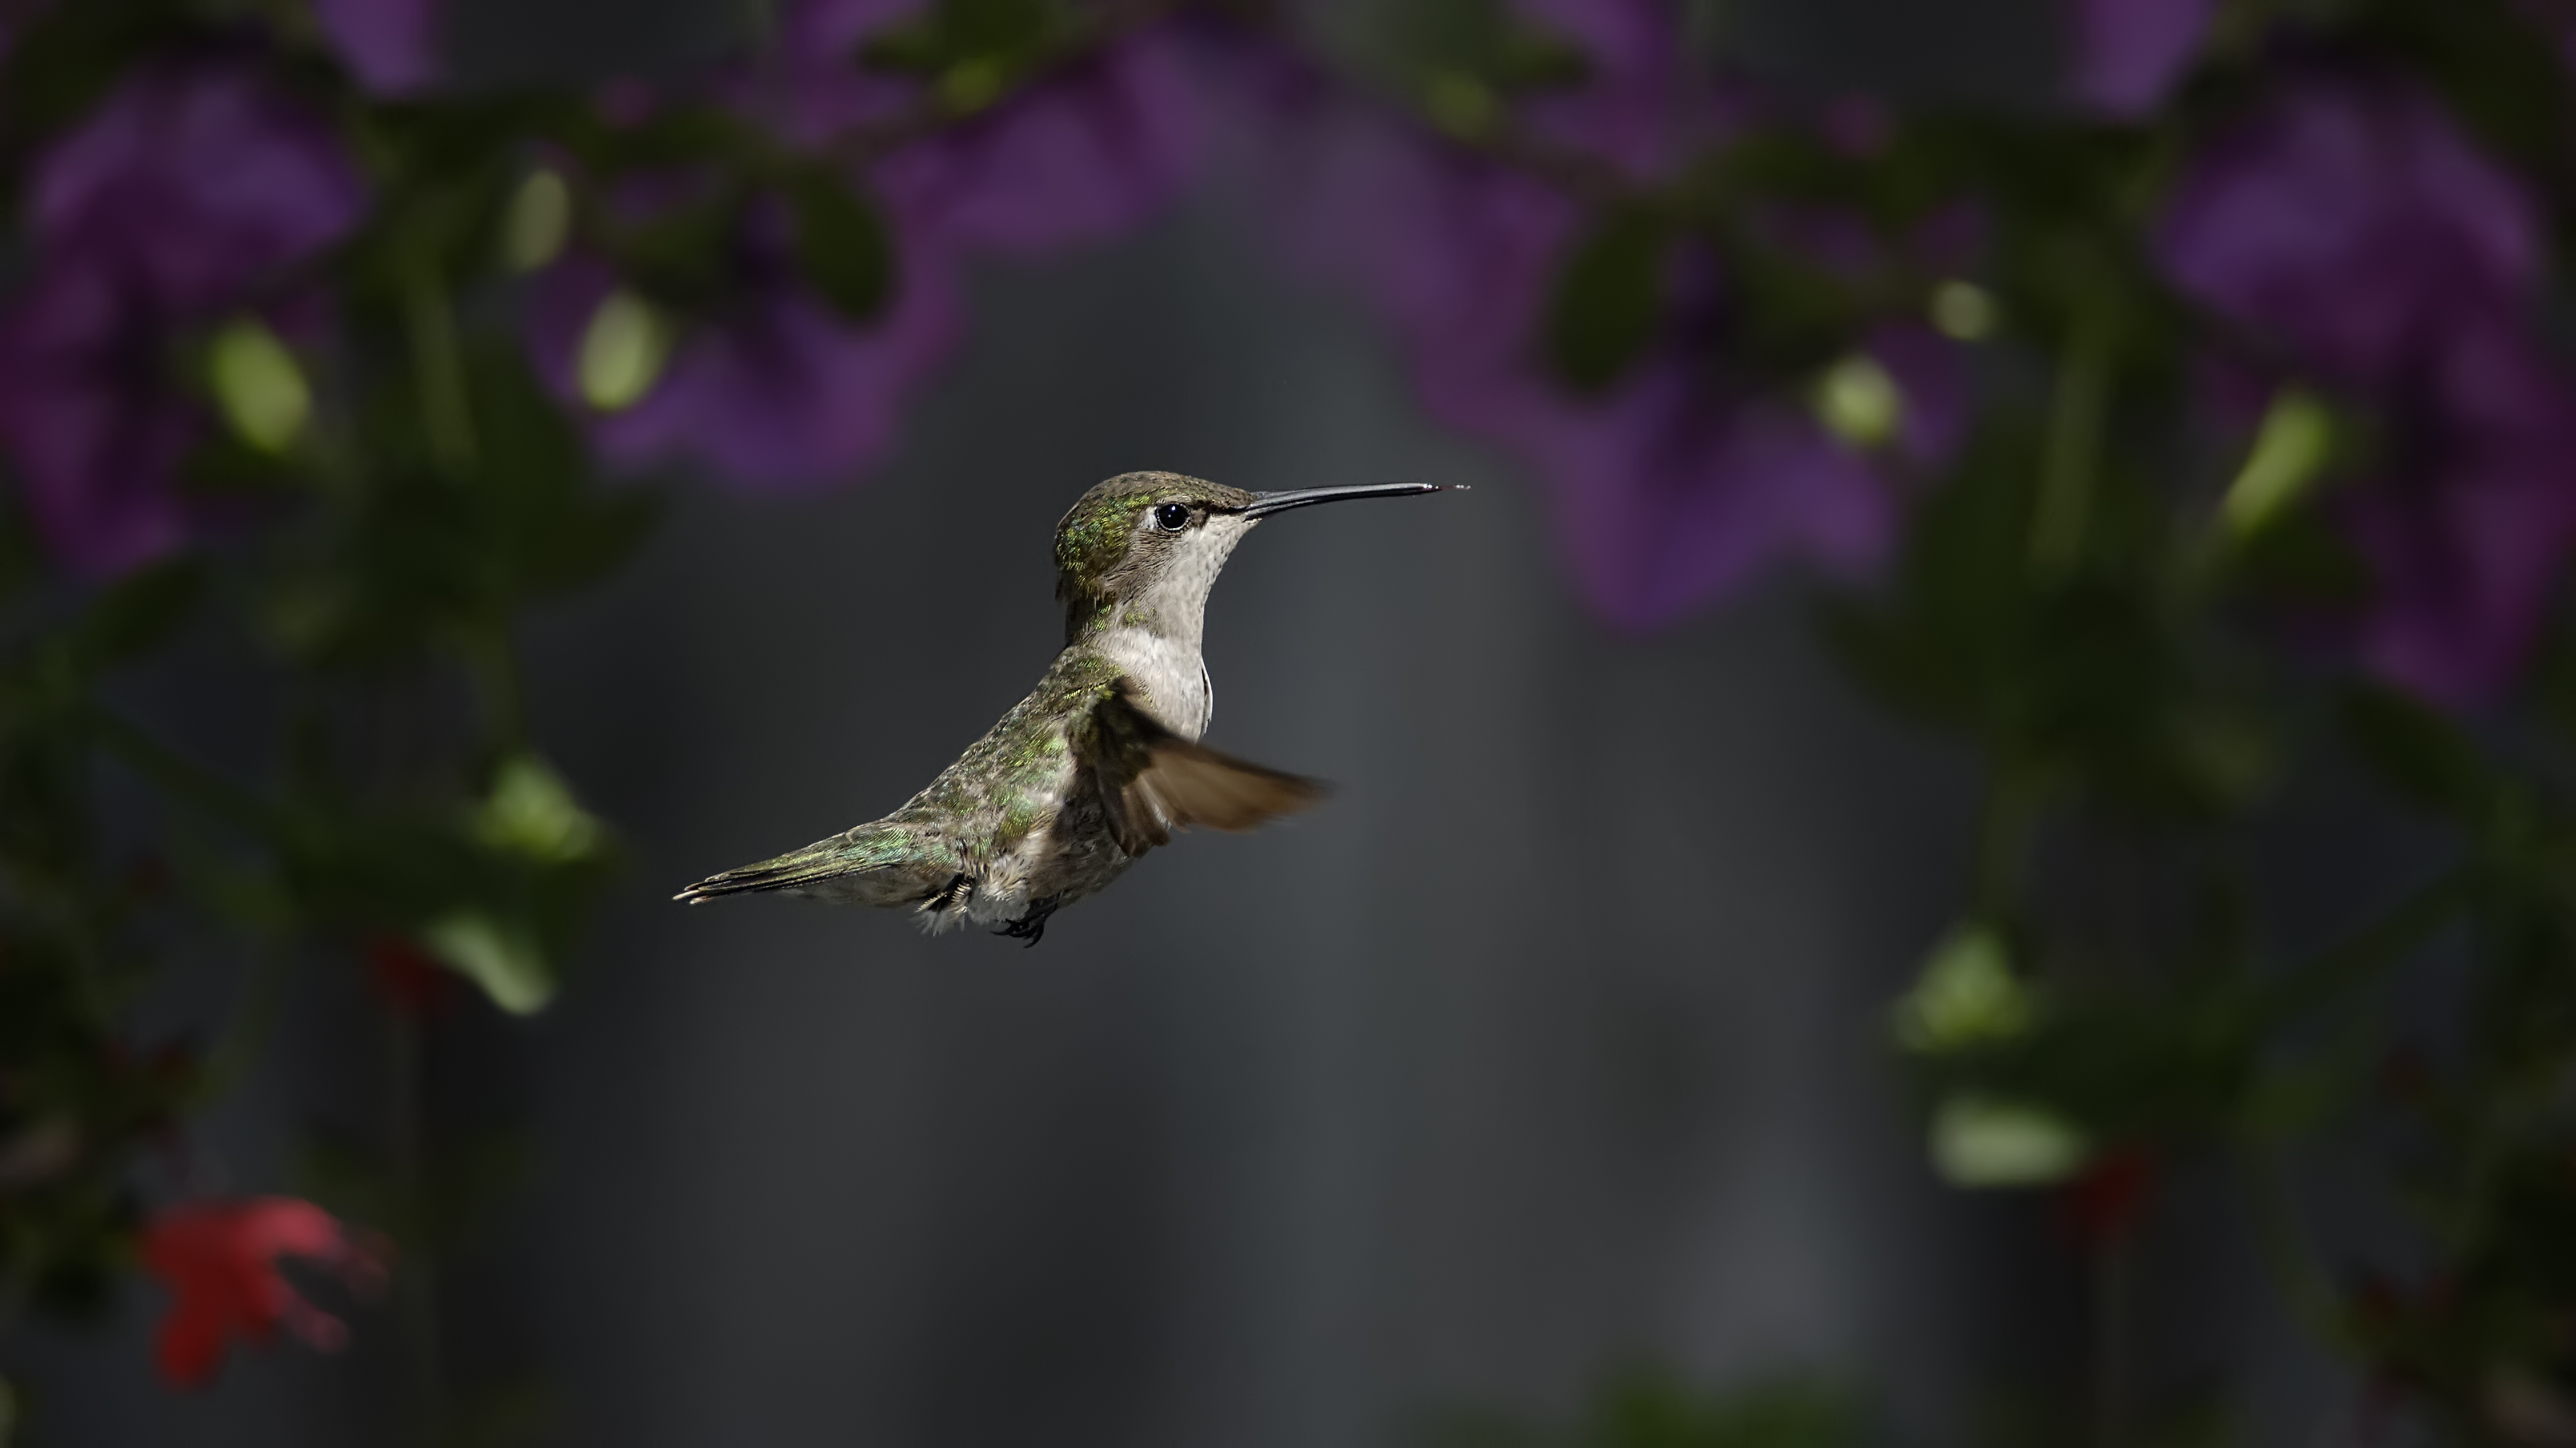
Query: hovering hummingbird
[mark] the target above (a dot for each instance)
(1102, 762)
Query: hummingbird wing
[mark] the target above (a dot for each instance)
(1152, 781)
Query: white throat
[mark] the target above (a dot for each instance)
(1159, 649)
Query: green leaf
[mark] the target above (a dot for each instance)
(2290, 450)
(502, 958)
(531, 813)
(138, 612)
(259, 386)
(2422, 755)
(1989, 1141)
(840, 244)
(1608, 299)
(1968, 996)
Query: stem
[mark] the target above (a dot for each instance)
(2289, 1256)
(161, 765)
(2111, 1263)
(438, 365)
(494, 660)
(423, 1353)
(253, 1018)
(2074, 442)
(2003, 837)
(2381, 944)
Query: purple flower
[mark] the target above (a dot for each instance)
(186, 190)
(200, 180)
(1080, 156)
(2467, 534)
(391, 46)
(1644, 105)
(88, 414)
(1668, 498)
(1931, 373)
(774, 390)
(2348, 221)
(808, 86)
(1670, 489)
(2129, 53)
(2351, 227)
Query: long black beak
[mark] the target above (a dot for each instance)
(1265, 504)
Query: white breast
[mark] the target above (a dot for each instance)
(1174, 679)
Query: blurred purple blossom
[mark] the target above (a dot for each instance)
(2348, 221)
(1643, 104)
(187, 190)
(391, 46)
(90, 417)
(1082, 155)
(806, 86)
(2353, 229)
(773, 390)
(1670, 489)
(199, 180)
(2128, 54)
(2467, 531)
(1931, 373)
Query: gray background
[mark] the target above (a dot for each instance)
(1554, 1040)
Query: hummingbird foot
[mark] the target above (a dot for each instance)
(1032, 926)
(951, 896)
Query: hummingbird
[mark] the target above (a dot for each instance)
(1102, 761)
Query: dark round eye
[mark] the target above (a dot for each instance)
(1171, 517)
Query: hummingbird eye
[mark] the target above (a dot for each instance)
(1171, 517)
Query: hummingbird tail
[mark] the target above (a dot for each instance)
(855, 866)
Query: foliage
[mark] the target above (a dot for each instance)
(2174, 446)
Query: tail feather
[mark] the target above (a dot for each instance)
(866, 850)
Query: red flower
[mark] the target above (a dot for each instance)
(2103, 1204)
(415, 986)
(220, 1261)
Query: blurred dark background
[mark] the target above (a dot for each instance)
(1556, 1040)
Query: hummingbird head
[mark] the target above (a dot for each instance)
(1144, 549)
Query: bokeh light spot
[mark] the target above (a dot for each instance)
(539, 220)
(259, 387)
(622, 351)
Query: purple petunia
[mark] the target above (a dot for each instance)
(89, 416)
(2347, 221)
(769, 387)
(772, 389)
(391, 46)
(2467, 530)
(1081, 156)
(1670, 489)
(2352, 233)
(190, 190)
(199, 180)
(2126, 55)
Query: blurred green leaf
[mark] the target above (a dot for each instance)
(2423, 756)
(1608, 299)
(1858, 402)
(531, 813)
(258, 386)
(1987, 1141)
(622, 352)
(2290, 450)
(1967, 997)
(498, 955)
(841, 244)
(137, 612)
(538, 222)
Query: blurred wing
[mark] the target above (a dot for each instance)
(1153, 781)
